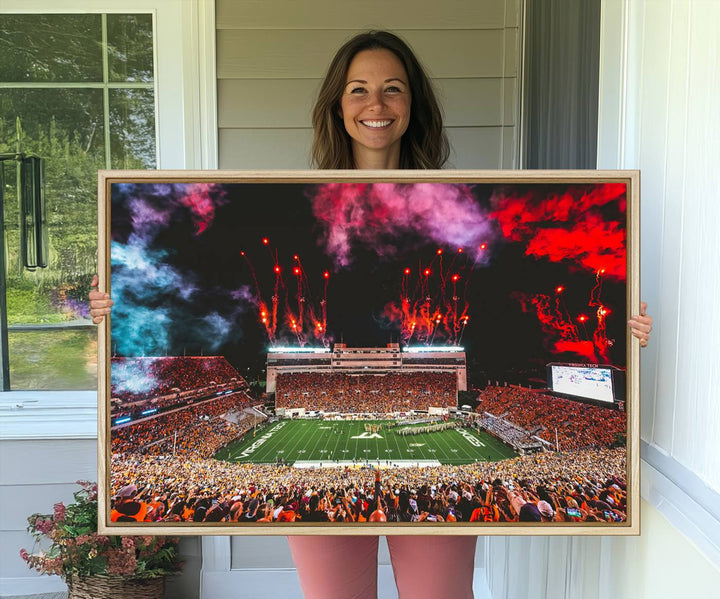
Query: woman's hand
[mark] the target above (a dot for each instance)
(641, 325)
(100, 302)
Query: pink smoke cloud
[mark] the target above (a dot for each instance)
(201, 199)
(370, 215)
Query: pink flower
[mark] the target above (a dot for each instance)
(121, 562)
(59, 509)
(43, 526)
(53, 565)
(128, 543)
(69, 555)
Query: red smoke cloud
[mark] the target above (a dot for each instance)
(580, 225)
(586, 349)
(562, 333)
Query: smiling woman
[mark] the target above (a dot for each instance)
(375, 108)
(456, 553)
(364, 104)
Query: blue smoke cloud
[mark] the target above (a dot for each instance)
(157, 300)
(134, 377)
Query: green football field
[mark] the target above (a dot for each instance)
(312, 442)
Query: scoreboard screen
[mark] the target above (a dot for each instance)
(583, 381)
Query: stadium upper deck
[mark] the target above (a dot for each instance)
(367, 360)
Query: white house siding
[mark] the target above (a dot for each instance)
(271, 57)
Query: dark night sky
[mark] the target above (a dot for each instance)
(500, 337)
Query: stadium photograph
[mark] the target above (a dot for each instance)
(366, 353)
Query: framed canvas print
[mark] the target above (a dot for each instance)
(376, 352)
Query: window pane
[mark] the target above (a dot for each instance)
(53, 359)
(50, 48)
(65, 128)
(132, 128)
(130, 47)
(50, 118)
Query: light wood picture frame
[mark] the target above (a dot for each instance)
(369, 352)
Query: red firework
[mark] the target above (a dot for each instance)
(302, 318)
(430, 310)
(601, 312)
(555, 320)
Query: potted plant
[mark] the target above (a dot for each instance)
(96, 566)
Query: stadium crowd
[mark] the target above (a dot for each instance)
(576, 423)
(201, 429)
(587, 486)
(204, 438)
(160, 476)
(347, 393)
(513, 435)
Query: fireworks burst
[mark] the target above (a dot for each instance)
(433, 305)
(292, 315)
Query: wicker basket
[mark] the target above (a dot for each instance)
(116, 587)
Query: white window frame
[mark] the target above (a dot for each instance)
(186, 130)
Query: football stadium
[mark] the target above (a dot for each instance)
(461, 394)
(399, 448)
